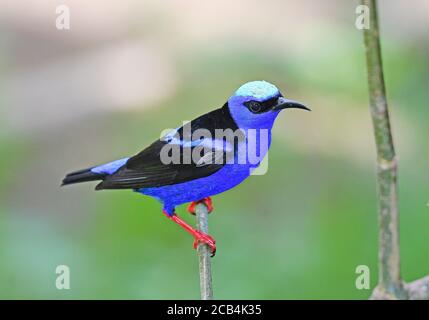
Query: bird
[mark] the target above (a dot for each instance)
(191, 164)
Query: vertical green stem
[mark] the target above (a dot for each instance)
(390, 284)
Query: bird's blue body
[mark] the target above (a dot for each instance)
(251, 111)
(226, 178)
(229, 175)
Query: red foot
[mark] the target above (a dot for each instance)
(198, 235)
(207, 201)
(205, 238)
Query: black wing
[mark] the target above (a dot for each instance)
(147, 170)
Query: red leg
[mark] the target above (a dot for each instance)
(207, 201)
(198, 236)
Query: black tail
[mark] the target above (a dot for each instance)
(82, 176)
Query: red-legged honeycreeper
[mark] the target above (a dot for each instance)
(213, 153)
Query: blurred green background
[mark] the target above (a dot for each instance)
(127, 70)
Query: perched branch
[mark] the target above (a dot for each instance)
(390, 284)
(204, 254)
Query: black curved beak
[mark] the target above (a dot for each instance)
(283, 103)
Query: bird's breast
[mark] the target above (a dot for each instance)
(251, 150)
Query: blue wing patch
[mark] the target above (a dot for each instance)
(111, 167)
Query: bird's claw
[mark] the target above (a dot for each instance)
(205, 238)
(207, 201)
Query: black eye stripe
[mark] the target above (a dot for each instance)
(270, 102)
(260, 107)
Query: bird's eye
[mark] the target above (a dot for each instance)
(254, 106)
